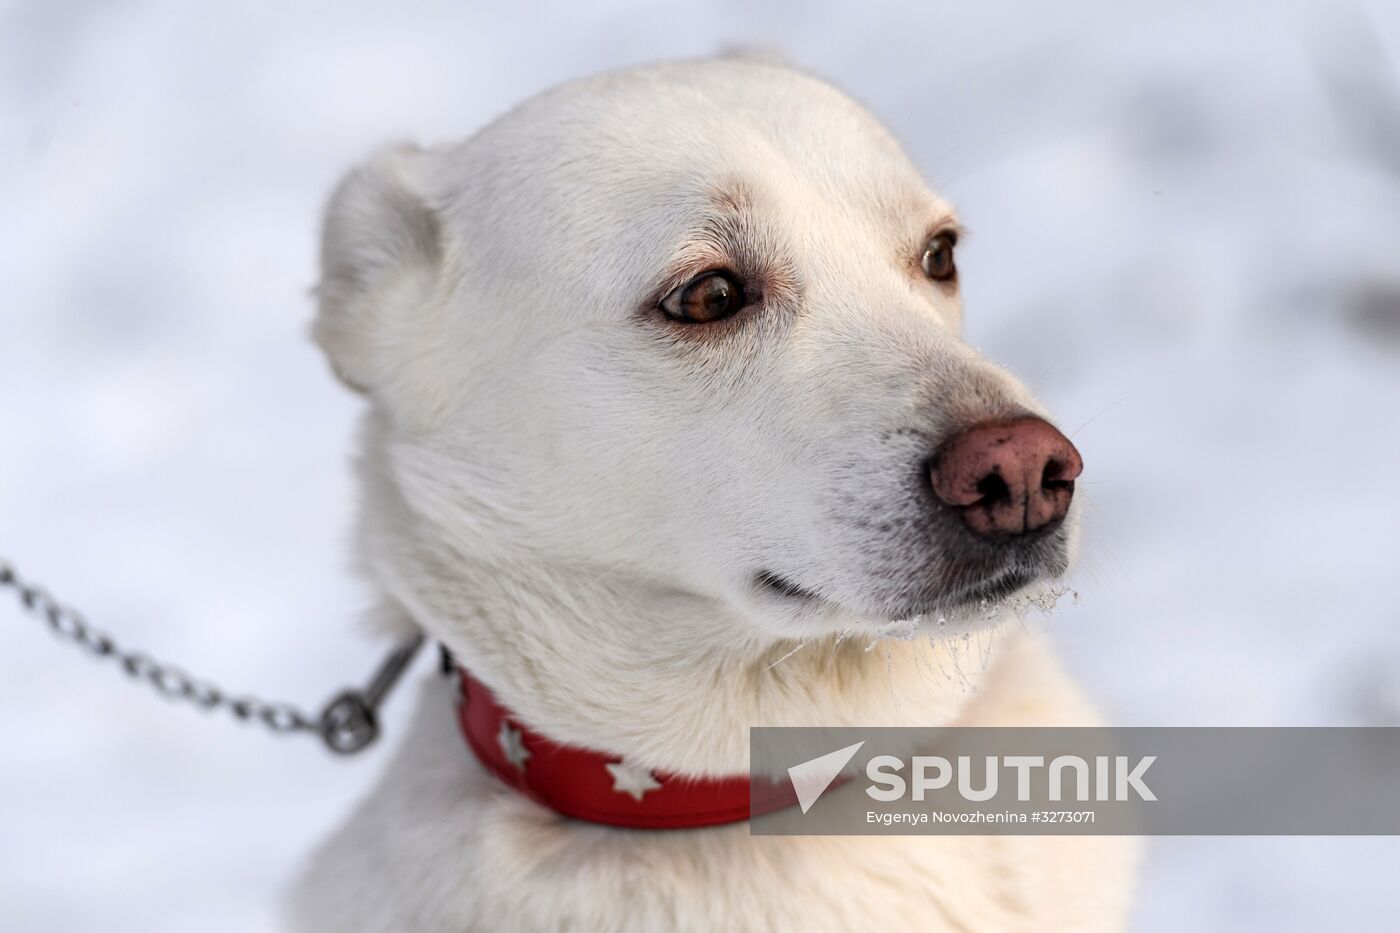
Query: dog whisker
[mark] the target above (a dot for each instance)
(786, 656)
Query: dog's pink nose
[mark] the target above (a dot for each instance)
(1007, 478)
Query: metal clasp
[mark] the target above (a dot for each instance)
(350, 721)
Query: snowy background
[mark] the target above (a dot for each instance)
(1186, 226)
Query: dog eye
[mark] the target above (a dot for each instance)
(709, 297)
(937, 260)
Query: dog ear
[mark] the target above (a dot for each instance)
(381, 251)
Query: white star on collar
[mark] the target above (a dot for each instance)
(631, 779)
(512, 745)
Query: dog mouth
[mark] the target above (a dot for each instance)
(774, 584)
(995, 587)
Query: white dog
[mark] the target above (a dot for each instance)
(669, 420)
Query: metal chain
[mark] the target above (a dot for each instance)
(347, 724)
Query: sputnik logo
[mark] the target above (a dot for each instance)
(811, 778)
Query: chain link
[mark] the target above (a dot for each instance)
(346, 725)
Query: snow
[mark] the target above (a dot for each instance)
(1186, 220)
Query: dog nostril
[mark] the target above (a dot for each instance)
(993, 489)
(1053, 477)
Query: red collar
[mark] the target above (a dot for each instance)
(596, 786)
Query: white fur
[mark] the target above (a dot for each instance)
(576, 496)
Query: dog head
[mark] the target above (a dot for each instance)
(694, 327)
